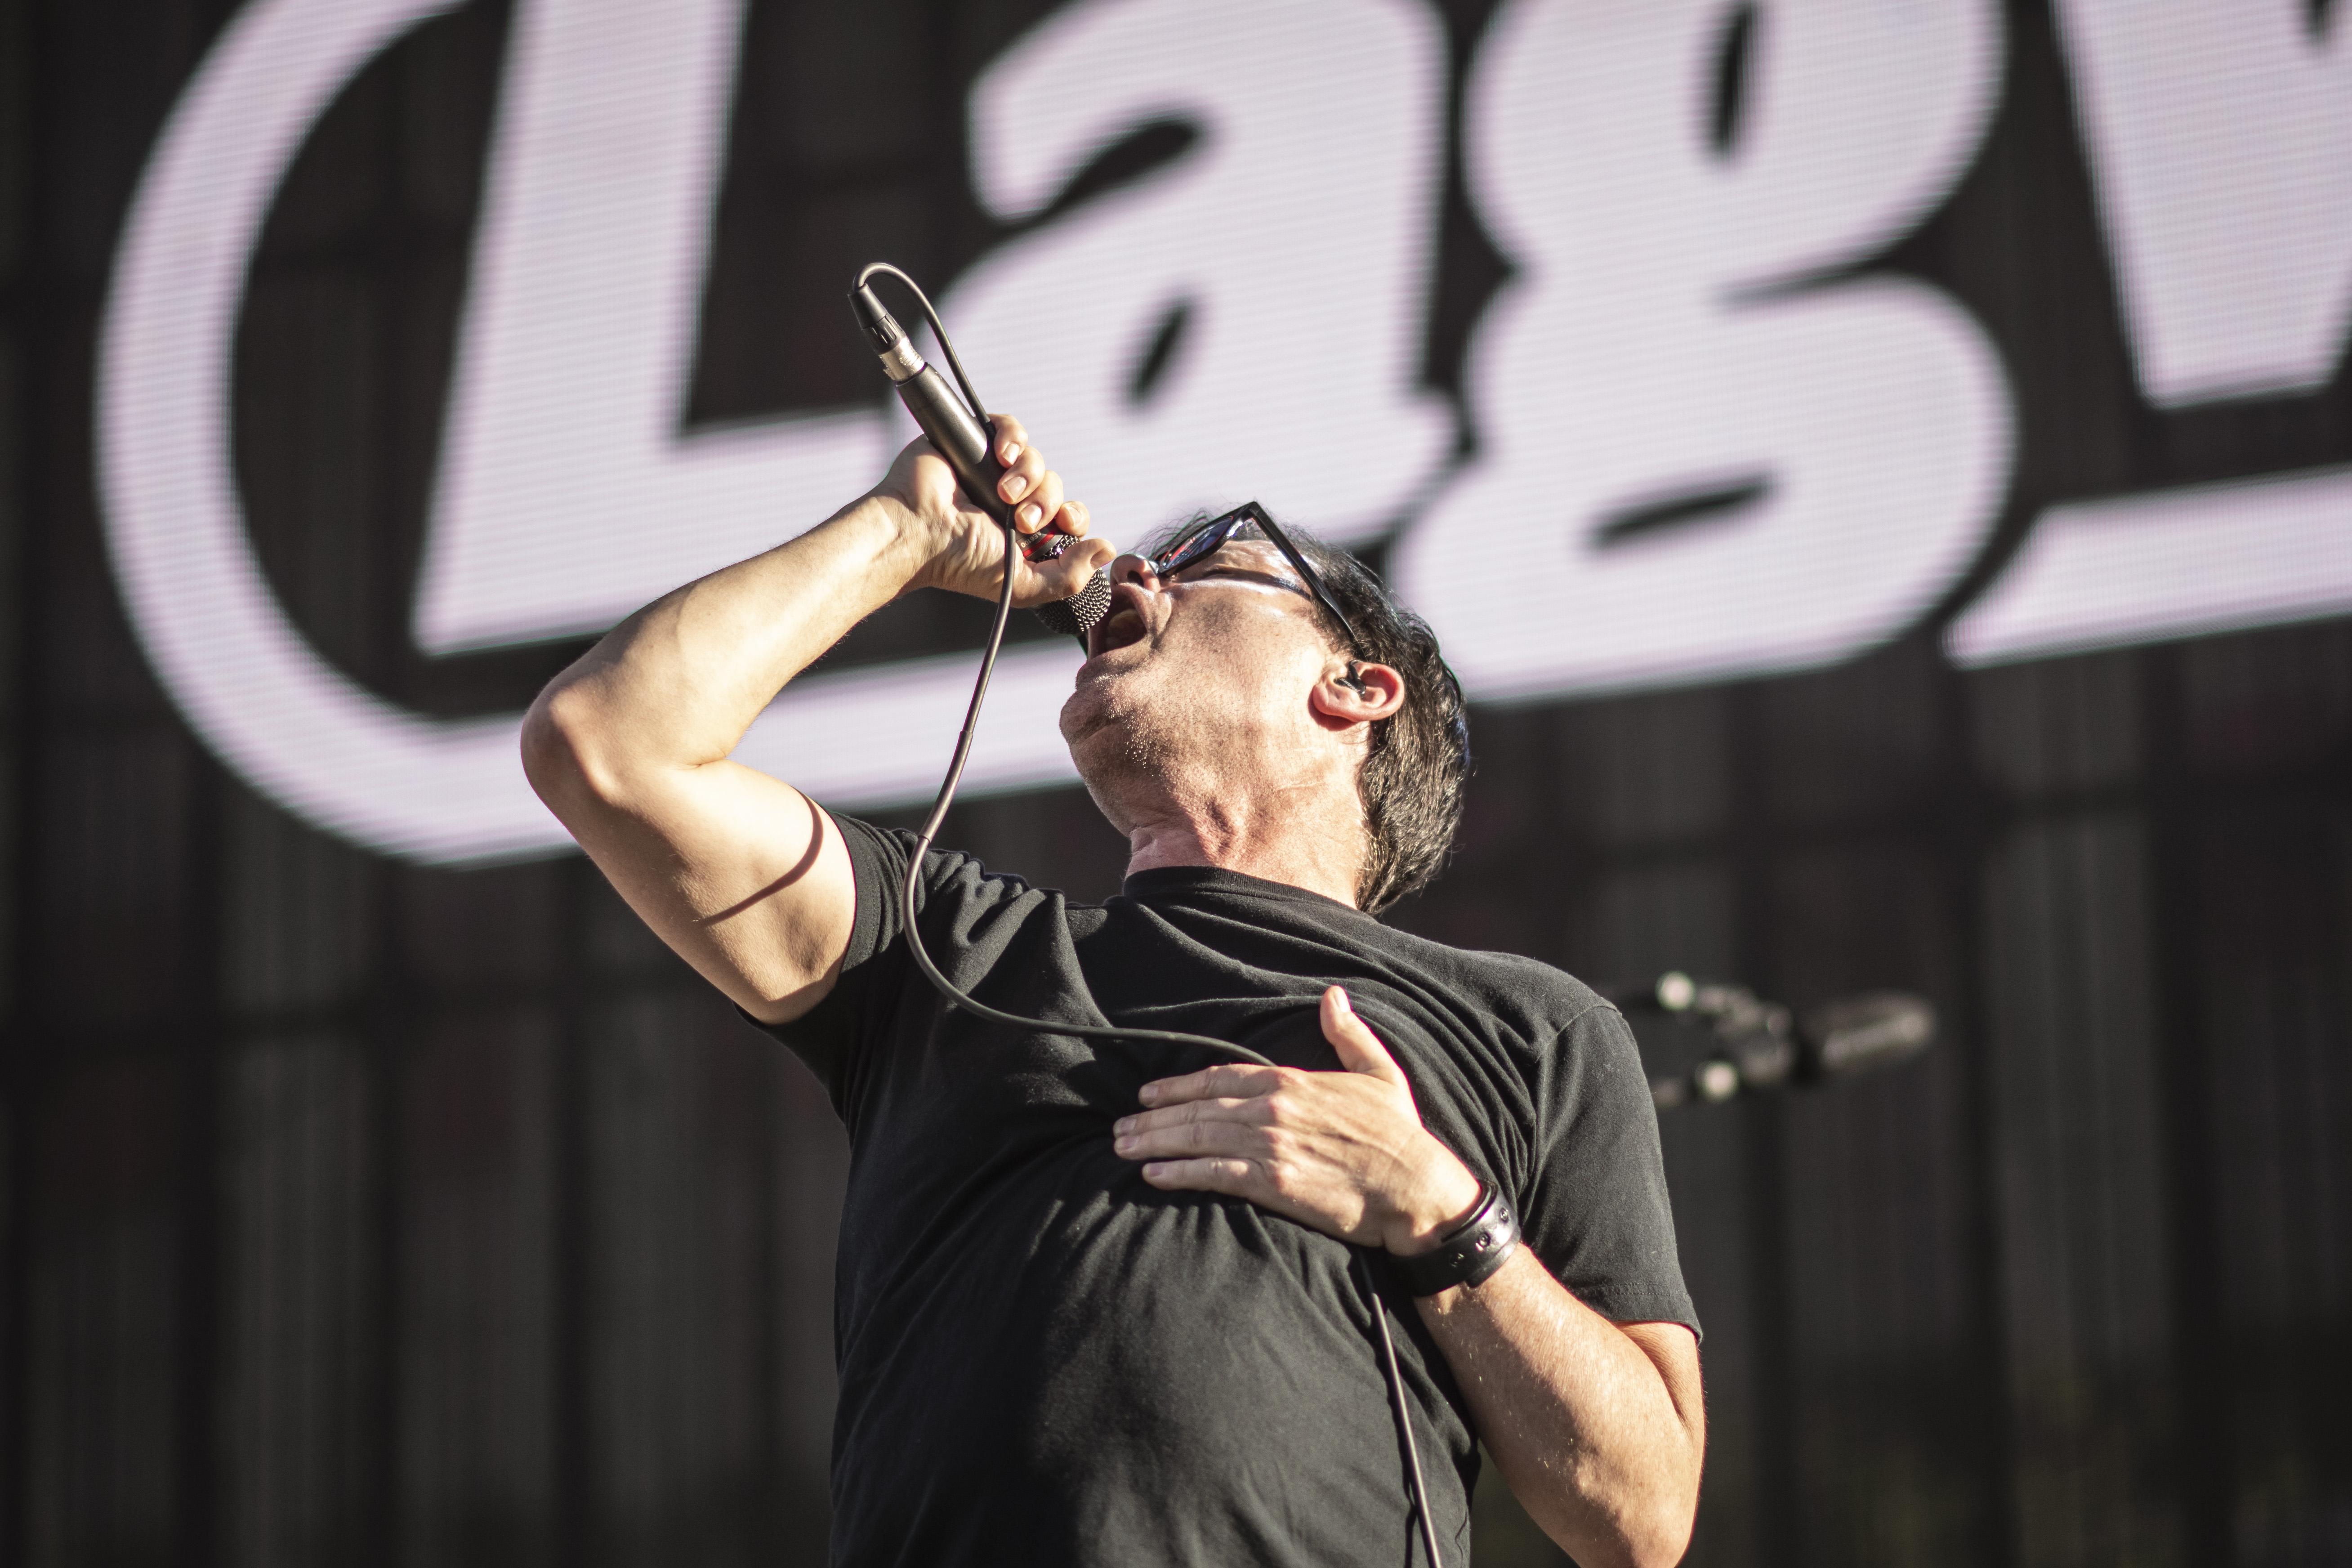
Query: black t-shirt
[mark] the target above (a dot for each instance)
(1045, 1359)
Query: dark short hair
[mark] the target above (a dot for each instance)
(1418, 760)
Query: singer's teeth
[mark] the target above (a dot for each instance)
(1124, 626)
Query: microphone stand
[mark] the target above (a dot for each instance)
(1762, 1046)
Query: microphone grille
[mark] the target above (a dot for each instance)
(1075, 617)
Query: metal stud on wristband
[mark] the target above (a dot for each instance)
(1471, 1252)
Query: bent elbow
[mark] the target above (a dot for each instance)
(561, 755)
(1648, 1532)
(1660, 1535)
(1664, 1543)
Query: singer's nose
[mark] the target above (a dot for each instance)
(1135, 569)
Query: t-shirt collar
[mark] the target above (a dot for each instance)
(1164, 883)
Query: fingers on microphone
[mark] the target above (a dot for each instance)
(1012, 436)
(1079, 563)
(1046, 500)
(1024, 477)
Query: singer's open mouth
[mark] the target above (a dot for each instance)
(1117, 630)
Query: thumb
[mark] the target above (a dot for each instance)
(1067, 572)
(1359, 1049)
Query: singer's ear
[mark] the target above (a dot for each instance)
(1353, 692)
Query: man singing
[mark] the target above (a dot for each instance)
(1096, 1303)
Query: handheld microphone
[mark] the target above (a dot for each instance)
(962, 435)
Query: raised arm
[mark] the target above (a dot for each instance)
(739, 872)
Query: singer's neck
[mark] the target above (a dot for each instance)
(1293, 837)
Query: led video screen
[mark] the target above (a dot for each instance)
(1714, 422)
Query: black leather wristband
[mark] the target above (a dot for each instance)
(1470, 1253)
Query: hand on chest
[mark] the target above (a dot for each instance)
(1045, 1086)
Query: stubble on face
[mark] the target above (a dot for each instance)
(1132, 728)
(1205, 704)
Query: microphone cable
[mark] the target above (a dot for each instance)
(910, 890)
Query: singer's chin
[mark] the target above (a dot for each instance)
(1083, 713)
(1093, 719)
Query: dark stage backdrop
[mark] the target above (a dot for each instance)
(1877, 465)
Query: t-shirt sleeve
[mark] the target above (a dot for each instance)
(831, 1038)
(1598, 1213)
(965, 910)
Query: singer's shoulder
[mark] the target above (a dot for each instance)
(880, 855)
(1542, 998)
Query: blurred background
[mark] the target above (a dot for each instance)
(1880, 467)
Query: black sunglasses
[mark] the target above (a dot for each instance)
(1219, 532)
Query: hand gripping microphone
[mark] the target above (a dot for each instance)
(962, 437)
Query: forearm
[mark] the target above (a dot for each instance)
(1595, 1437)
(1600, 1427)
(677, 684)
(630, 747)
